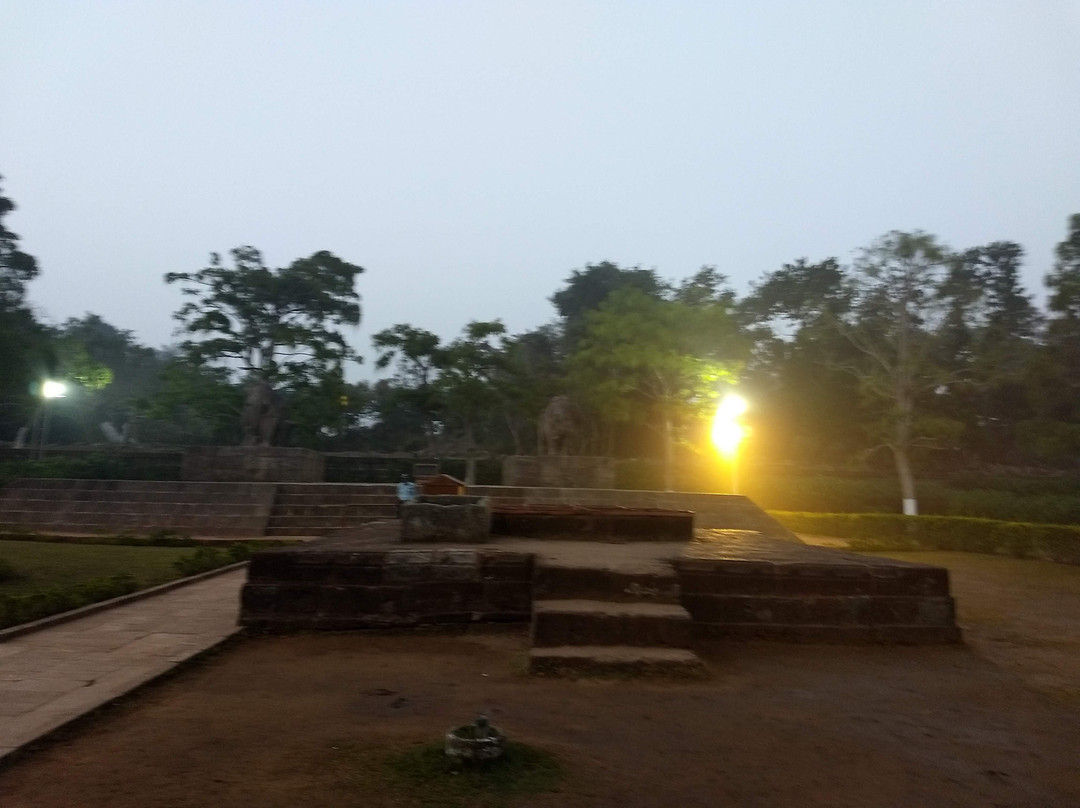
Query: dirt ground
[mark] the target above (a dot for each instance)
(278, 721)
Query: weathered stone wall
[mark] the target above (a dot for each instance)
(314, 587)
(447, 518)
(262, 464)
(774, 591)
(710, 510)
(136, 506)
(558, 471)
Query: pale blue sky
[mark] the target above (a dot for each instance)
(471, 154)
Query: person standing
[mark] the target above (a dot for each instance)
(406, 492)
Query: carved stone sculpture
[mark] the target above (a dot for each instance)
(262, 415)
(558, 427)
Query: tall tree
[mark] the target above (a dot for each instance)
(469, 366)
(27, 356)
(1053, 377)
(279, 327)
(587, 289)
(896, 323)
(415, 355)
(805, 402)
(655, 363)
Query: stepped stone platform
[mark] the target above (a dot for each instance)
(308, 510)
(604, 606)
(585, 524)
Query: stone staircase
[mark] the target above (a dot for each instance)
(322, 509)
(136, 506)
(743, 586)
(594, 619)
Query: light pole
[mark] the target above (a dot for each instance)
(50, 389)
(728, 433)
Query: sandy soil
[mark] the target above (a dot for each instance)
(277, 721)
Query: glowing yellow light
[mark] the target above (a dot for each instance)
(51, 389)
(727, 432)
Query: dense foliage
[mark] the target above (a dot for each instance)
(891, 532)
(916, 357)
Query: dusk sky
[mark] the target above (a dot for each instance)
(471, 154)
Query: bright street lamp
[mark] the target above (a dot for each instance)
(53, 389)
(728, 433)
(50, 389)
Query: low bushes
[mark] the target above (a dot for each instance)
(210, 558)
(17, 609)
(886, 531)
(43, 601)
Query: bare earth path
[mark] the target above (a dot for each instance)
(280, 721)
(54, 675)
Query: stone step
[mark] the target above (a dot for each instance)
(335, 489)
(307, 500)
(593, 583)
(615, 660)
(341, 520)
(593, 622)
(333, 511)
(825, 610)
(834, 635)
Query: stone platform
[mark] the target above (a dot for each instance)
(724, 585)
(579, 523)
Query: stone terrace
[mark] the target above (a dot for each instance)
(732, 584)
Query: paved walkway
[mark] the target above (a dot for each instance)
(52, 676)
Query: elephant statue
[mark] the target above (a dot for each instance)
(558, 426)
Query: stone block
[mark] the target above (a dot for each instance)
(507, 596)
(446, 519)
(441, 597)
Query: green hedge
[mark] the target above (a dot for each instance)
(210, 558)
(887, 531)
(18, 609)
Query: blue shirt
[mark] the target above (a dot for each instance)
(406, 491)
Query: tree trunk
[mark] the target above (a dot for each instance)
(669, 455)
(907, 481)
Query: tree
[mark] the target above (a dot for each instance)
(987, 343)
(895, 323)
(531, 374)
(1052, 378)
(655, 363)
(276, 326)
(27, 356)
(468, 367)
(804, 399)
(16, 267)
(415, 355)
(587, 289)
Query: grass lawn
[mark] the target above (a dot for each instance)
(42, 565)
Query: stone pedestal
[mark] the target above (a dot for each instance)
(558, 471)
(446, 519)
(256, 464)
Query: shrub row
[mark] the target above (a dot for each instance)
(886, 531)
(210, 558)
(17, 609)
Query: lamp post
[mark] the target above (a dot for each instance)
(50, 389)
(728, 433)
